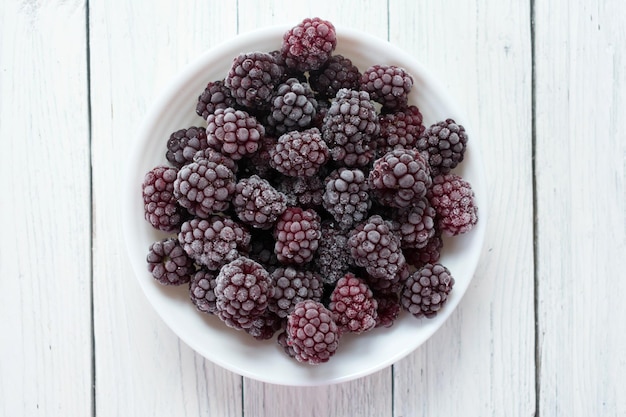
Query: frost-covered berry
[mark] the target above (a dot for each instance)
(297, 233)
(184, 144)
(292, 107)
(308, 45)
(161, 209)
(453, 199)
(168, 263)
(292, 286)
(201, 291)
(346, 196)
(387, 84)
(234, 133)
(252, 78)
(257, 203)
(216, 95)
(353, 305)
(426, 290)
(444, 143)
(299, 154)
(312, 333)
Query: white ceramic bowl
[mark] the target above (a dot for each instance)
(356, 356)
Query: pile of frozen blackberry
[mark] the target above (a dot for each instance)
(312, 200)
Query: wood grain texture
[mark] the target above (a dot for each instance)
(481, 51)
(581, 206)
(142, 368)
(45, 313)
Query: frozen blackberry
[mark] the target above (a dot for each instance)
(400, 129)
(312, 333)
(415, 225)
(346, 196)
(388, 309)
(305, 192)
(429, 254)
(204, 187)
(350, 128)
(376, 248)
(252, 78)
(293, 106)
(212, 155)
(292, 286)
(353, 305)
(215, 241)
(161, 209)
(201, 291)
(257, 203)
(400, 178)
(297, 233)
(183, 145)
(444, 143)
(453, 200)
(168, 262)
(215, 96)
(338, 72)
(308, 45)
(264, 327)
(234, 133)
(388, 85)
(242, 293)
(427, 290)
(299, 154)
(333, 258)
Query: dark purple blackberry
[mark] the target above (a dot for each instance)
(299, 154)
(264, 327)
(400, 129)
(429, 254)
(292, 286)
(215, 96)
(305, 192)
(234, 133)
(427, 290)
(204, 187)
(292, 107)
(297, 233)
(444, 143)
(168, 262)
(257, 203)
(252, 78)
(161, 209)
(183, 145)
(415, 225)
(312, 333)
(353, 305)
(201, 291)
(212, 155)
(333, 258)
(388, 85)
(215, 241)
(400, 178)
(388, 309)
(242, 293)
(338, 72)
(346, 196)
(308, 45)
(350, 128)
(376, 248)
(453, 200)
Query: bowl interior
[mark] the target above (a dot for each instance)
(265, 361)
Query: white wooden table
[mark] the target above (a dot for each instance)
(541, 330)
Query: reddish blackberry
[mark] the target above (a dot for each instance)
(201, 291)
(159, 202)
(333, 255)
(350, 128)
(387, 84)
(429, 254)
(297, 233)
(426, 290)
(299, 154)
(252, 78)
(168, 262)
(183, 145)
(353, 305)
(346, 196)
(400, 178)
(234, 133)
(388, 309)
(305, 192)
(215, 241)
(312, 333)
(204, 187)
(215, 96)
(453, 200)
(212, 155)
(445, 144)
(242, 293)
(400, 129)
(264, 327)
(309, 44)
(415, 225)
(293, 106)
(257, 203)
(376, 248)
(338, 72)
(292, 286)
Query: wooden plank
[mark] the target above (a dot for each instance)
(142, 368)
(481, 362)
(581, 206)
(45, 284)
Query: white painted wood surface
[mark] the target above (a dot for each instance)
(77, 336)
